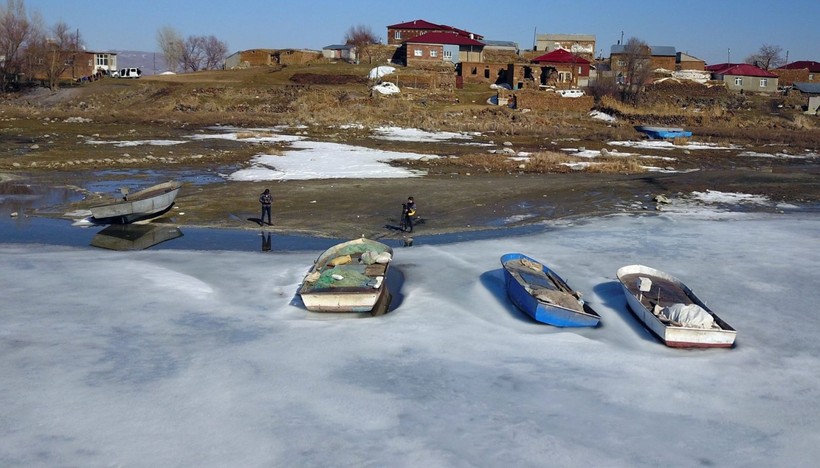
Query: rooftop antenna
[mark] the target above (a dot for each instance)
(622, 38)
(728, 55)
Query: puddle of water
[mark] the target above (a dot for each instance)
(20, 197)
(110, 181)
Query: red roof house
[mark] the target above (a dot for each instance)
(398, 34)
(744, 77)
(802, 71)
(563, 68)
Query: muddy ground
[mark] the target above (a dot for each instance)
(451, 197)
(44, 141)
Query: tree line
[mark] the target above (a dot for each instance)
(30, 50)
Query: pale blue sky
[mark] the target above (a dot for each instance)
(714, 30)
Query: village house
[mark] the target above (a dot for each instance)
(442, 48)
(685, 61)
(81, 65)
(811, 91)
(398, 34)
(743, 77)
(798, 72)
(562, 69)
(660, 57)
(582, 45)
(267, 57)
(500, 51)
(344, 52)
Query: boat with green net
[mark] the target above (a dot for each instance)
(348, 277)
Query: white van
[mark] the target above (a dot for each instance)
(570, 93)
(127, 73)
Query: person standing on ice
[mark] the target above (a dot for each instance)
(409, 212)
(266, 199)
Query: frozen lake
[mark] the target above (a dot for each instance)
(203, 355)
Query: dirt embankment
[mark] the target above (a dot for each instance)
(45, 138)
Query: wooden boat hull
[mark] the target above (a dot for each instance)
(671, 335)
(519, 291)
(356, 291)
(141, 205)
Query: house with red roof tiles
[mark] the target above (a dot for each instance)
(744, 77)
(802, 71)
(398, 34)
(421, 42)
(562, 69)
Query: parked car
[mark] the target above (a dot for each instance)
(127, 73)
(570, 93)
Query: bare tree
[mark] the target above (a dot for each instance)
(53, 54)
(768, 56)
(171, 45)
(361, 38)
(193, 53)
(636, 70)
(16, 31)
(215, 51)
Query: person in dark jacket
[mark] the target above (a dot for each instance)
(266, 199)
(409, 212)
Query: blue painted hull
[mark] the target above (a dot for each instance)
(541, 311)
(664, 133)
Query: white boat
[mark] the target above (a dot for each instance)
(670, 310)
(349, 277)
(144, 204)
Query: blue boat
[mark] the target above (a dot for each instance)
(542, 294)
(663, 133)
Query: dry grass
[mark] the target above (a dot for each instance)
(266, 96)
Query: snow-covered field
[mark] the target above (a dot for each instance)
(207, 358)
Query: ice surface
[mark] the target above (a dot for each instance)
(207, 358)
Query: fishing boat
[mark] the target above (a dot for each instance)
(149, 203)
(542, 294)
(663, 133)
(670, 310)
(349, 277)
(134, 236)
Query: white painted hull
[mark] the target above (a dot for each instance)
(140, 205)
(361, 296)
(674, 336)
(342, 302)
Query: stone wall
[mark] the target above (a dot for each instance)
(545, 101)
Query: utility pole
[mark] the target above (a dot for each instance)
(535, 38)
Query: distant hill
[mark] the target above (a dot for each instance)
(151, 63)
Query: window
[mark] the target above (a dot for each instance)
(433, 53)
(811, 76)
(474, 71)
(418, 52)
(764, 82)
(397, 35)
(738, 81)
(102, 60)
(448, 55)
